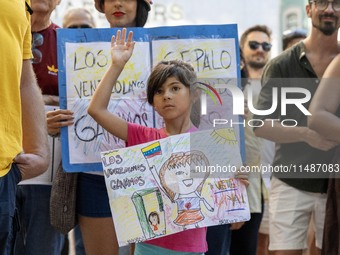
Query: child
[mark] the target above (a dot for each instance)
(170, 92)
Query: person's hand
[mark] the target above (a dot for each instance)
(57, 119)
(317, 141)
(242, 176)
(236, 225)
(31, 165)
(121, 51)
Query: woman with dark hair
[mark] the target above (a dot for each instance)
(117, 18)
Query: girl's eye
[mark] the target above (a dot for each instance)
(158, 91)
(179, 173)
(175, 88)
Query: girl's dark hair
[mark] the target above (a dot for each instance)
(179, 69)
(141, 14)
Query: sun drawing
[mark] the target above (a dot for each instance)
(223, 136)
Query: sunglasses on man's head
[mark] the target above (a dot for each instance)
(80, 26)
(254, 45)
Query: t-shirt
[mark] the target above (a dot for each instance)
(292, 69)
(191, 240)
(15, 46)
(47, 70)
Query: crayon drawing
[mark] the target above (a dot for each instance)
(186, 193)
(175, 183)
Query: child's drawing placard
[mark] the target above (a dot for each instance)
(84, 56)
(173, 184)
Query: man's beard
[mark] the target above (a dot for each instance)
(256, 65)
(327, 28)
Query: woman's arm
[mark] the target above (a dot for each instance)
(121, 52)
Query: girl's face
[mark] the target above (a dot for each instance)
(121, 13)
(179, 180)
(172, 101)
(154, 219)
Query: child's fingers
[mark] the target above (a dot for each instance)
(130, 36)
(121, 37)
(118, 39)
(124, 35)
(129, 40)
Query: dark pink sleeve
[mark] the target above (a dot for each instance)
(138, 134)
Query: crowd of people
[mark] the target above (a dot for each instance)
(292, 214)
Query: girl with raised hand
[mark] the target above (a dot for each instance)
(171, 92)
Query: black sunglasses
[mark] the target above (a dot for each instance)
(80, 26)
(254, 45)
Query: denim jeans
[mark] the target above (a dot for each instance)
(36, 235)
(78, 241)
(8, 220)
(218, 238)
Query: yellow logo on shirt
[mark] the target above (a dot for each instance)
(52, 70)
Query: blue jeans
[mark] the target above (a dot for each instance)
(218, 238)
(36, 235)
(78, 240)
(8, 221)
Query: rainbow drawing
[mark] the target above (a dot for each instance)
(152, 150)
(209, 90)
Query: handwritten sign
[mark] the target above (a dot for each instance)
(177, 183)
(84, 56)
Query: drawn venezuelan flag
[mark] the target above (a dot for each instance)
(152, 150)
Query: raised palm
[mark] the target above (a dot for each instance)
(121, 49)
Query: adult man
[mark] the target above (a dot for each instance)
(37, 236)
(23, 138)
(255, 44)
(294, 197)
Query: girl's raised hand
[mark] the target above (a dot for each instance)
(121, 49)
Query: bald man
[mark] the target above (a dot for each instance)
(78, 18)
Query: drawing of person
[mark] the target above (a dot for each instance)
(154, 221)
(175, 180)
